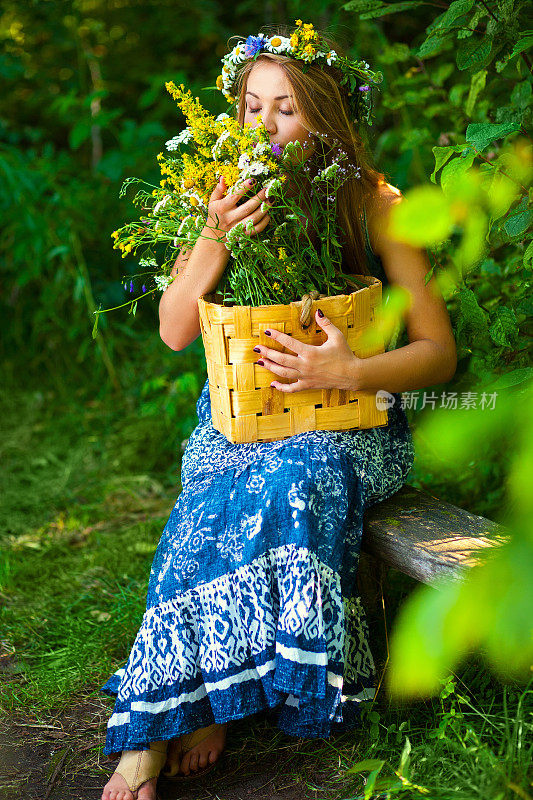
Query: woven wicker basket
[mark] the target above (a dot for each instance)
(244, 407)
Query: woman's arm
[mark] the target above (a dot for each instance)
(201, 268)
(198, 271)
(431, 356)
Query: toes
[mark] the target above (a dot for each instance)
(212, 756)
(194, 762)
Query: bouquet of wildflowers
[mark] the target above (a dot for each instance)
(278, 265)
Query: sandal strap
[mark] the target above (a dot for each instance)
(190, 740)
(138, 766)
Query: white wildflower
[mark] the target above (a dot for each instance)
(186, 223)
(162, 281)
(182, 138)
(283, 47)
(257, 168)
(161, 203)
(261, 148)
(272, 186)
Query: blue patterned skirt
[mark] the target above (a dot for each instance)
(252, 601)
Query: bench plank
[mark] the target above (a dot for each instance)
(426, 537)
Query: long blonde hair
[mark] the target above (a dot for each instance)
(323, 105)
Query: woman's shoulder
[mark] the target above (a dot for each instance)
(377, 206)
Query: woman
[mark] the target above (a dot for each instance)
(252, 602)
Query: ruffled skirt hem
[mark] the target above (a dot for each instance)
(274, 634)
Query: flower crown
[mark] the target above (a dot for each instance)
(305, 44)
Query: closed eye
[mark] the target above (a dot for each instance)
(255, 110)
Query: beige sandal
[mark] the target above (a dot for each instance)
(138, 766)
(180, 747)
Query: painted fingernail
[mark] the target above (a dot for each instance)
(267, 333)
(260, 362)
(251, 181)
(320, 313)
(257, 350)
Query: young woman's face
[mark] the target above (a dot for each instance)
(269, 94)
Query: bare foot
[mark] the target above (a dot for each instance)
(117, 789)
(204, 753)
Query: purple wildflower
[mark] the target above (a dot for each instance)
(144, 287)
(276, 149)
(364, 88)
(254, 44)
(131, 286)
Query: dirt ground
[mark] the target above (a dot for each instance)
(60, 758)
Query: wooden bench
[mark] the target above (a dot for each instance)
(425, 537)
(422, 537)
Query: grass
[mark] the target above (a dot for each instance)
(87, 488)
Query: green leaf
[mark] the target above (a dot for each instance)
(79, 133)
(434, 45)
(423, 218)
(473, 52)
(477, 84)
(442, 155)
(522, 44)
(501, 193)
(404, 759)
(361, 5)
(368, 765)
(504, 329)
(521, 94)
(518, 223)
(481, 134)
(455, 170)
(453, 12)
(528, 257)
(514, 378)
(472, 320)
(393, 8)
(95, 326)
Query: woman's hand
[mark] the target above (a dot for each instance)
(223, 213)
(330, 365)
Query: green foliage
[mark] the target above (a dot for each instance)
(479, 222)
